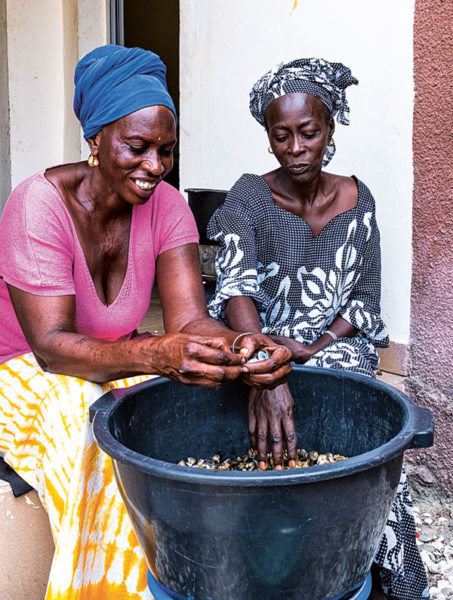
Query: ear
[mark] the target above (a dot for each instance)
(331, 128)
(93, 143)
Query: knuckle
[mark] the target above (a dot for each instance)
(190, 349)
(276, 438)
(184, 367)
(261, 436)
(222, 375)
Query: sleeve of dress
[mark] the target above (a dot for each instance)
(37, 241)
(173, 223)
(363, 310)
(233, 226)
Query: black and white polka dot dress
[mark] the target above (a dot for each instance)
(300, 284)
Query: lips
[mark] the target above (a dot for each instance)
(298, 168)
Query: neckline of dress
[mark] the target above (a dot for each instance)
(314, 237)
(79, 245)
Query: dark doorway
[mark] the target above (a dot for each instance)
(154, 25)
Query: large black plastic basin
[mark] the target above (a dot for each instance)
(305, 534)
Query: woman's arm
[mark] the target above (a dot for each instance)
(48, 323)
(49, 327)
(303, 352)
(241, 313)
(196, 350)
(184, 308)
(362, 310)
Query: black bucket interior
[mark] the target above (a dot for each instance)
(344, 416)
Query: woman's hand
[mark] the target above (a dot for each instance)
(194, 359)
(270, 413)
(267, 373)
(300, 353)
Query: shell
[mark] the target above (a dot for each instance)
(249, 462)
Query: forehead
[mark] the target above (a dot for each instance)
(146, 122)
(295, 107)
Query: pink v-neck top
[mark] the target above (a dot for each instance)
(41, 254)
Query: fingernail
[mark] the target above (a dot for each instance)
(245, 370)
(262, 465)
(243, 351)
(278, 468)
(292, 464)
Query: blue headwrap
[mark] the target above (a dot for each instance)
(113, 81)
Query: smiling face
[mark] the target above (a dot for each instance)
(299, 127)
(135, 153)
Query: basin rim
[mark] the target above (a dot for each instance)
(104, 408)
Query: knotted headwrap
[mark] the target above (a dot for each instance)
(113, 81)
(316, 76)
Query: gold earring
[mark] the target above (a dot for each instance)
(93, 161)
(270, 150)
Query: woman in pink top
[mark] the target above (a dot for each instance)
(81, 246)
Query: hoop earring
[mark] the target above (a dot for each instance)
(93, 161)
(270, 150)
(331, 144)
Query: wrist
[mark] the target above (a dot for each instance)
(322, 342)
(148, 353)
(302, 353)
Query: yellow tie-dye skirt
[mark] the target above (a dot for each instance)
(45, 435)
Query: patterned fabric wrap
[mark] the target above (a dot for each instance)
(113, 81)
(320, 78)
(301, 283)
(45, 435)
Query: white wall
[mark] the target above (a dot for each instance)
(45, 41)
(226, 45)
(93, 20)
(36, 85)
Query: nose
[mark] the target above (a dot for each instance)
(153, 164)
(297, 145)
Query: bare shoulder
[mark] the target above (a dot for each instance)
(66, 176)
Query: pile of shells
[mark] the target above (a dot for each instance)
(249, 462)
(435, 542)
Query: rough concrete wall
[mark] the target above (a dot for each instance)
(431, 383)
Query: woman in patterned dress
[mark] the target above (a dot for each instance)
(299, 261)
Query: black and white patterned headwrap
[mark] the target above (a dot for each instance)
(316, 76)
